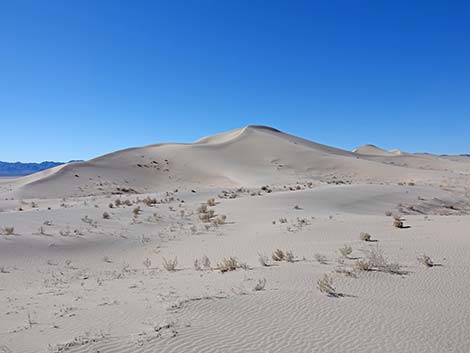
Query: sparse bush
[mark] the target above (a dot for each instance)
(263, 260)
(202, 208)
(426, 260)
(388, 213)
(375, 261)
(345, 251)
(398, 221)
(107, 259)
(8, 230)
(260, 285)
(118, 202)
(320, 258)
(147, 263)
(211, 202)
(89, 221)
(365, 236)
(289, 256)
(202, 264)
(278, 255)
(325, 285)
(148, 201)
(106, 215)
(170, 265)
(282, 220)
(228, 264)
(136, 211)
(111, 205)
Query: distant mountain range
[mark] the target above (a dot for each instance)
(21, 169)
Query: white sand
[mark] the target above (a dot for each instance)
(82, 286)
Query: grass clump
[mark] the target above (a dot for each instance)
(170, 265)
(228, 264)
(325, 285)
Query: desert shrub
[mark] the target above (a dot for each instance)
(106, 215)
(118, 202)
(8, 230)
(202, 208)
(149, 201)
(388, 213)
(320, 258)
(283, 220)
(111, 205)
(345, 251)
(202, 264)
(107, 259)
(365, 236)
(127, 202)
(170, 265)
(398, 221)
(426, 260)
(325, 285)
(278, 255)
(376, 261)
(228, 264)
(289, 256)
(263, 259)
(147, 263)
(211, 202)
(136, 211)
(220, 220)
(260, 285)
(89, 221)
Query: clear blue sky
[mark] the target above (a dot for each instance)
(83, 78)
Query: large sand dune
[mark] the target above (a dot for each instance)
(82, 250)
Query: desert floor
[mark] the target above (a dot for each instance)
(86, 273)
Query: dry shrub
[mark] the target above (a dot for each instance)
(365, 236)
(118, 202)
(147, 263)
(426, 260)
(211, 202)
(170, 265)
(388, 213)
(278, 255)
(398, 221)
(202, 264)
(320, 258)
(228, 264)
(149, 201)
(8, 230)
(263, 260)
(106, 215)
(325, 285)
(136, 211)
(376, 261)
(345, 251)
(289, 256)
(260, 285)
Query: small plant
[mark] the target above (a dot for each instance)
(147, 263)
(325, 285)
(89, 221)
(345, 251)
(376, 261)
(297, 207)
(211, 202)
(320, 258)
(263, 260)
(228, 264)
(426, 260)
(170, 265)
(118, 202)
(365, 236)
(111, 205)
(282, 220)
(388, 213)
(106, 215)
(107, 259)
(289, 256)
(398, 221)
(136, 211)
(8, 230)
(202, 264)
(278, 255)
(260, 285)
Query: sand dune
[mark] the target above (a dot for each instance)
(83, 247)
